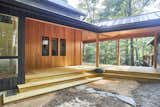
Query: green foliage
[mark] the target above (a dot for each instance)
(132, 50)
(108, 52)
(89, 52)
(112, 9)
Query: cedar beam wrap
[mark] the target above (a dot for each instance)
(118, 49)
(155, 49)
(97, 50)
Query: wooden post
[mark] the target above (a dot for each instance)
(97, 50)
(118, 49)
(155, 49)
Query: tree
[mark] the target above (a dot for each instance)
(124, 8)
(89, 6)
(114, 9)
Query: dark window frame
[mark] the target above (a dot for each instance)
(62, 49)
(55, 47)
(47, 53)
(11, 82)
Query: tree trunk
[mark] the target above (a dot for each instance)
(132, 52)
(131, 40)
(127, 57)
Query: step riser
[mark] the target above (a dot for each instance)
(53, 76)
(131, 77)
(46, 90)
(50, 84)
(134, 73)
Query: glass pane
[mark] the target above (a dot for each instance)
(8, 66)
(143, 51)
(45, 46)
(89, 53)
(136, 51)
(63, 47)
(54, 46)
(108, 52)
(125, 51)
(8, 35)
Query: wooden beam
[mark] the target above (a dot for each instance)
(155, 49)
(97, 50)
(118, 49)
(108, 37)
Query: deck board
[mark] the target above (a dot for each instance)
(118, 68)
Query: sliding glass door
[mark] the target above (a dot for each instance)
(8, 45)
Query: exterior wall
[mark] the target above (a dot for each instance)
(35, 30)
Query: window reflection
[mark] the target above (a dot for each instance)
(8, 35)
(8, 45)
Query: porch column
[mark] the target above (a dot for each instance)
(118, 49)
(97, 50)
(155, 49)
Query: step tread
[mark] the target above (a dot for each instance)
(31, 84)
(130, 75)
(47, 90)
(55, 73)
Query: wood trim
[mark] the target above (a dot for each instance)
(138, 35)
(155, 49)
(97, 50)
(55, 24)
(118, 49)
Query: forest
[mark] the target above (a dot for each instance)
(133, 51)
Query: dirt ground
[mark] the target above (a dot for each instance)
(77, 98)
(117, 86)
(144, 94)
(147, 95)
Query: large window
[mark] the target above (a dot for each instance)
(54, 46)
(89, 53)
(136, 51)
(45, 46)
(8, 44)
(108, 52)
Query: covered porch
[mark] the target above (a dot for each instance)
(146, 61)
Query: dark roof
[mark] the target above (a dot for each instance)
(14, 7)
(133, 22)
(128, 20)
(56, 6)
(66, 5)
(44, 13)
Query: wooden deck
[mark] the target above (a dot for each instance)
(125, 72)
(47, 80)
(116, 68)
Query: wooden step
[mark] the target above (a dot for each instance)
(55, 79)
(32, 93)
(156, 74)
(42, 76)
(130, 76)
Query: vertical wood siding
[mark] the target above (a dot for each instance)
(35, 29)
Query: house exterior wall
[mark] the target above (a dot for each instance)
(35, 30)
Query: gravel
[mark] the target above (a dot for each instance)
(147, 95)
(75, 98)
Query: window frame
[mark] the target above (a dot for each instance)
(45, 38)
(62, 52)
(53, 39)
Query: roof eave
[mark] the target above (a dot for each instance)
(136, 25)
